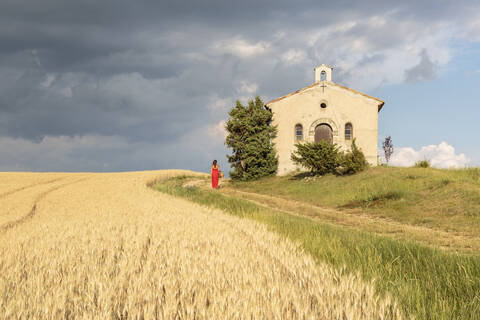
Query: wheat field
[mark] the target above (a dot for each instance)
(106, 246)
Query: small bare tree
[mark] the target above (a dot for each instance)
(387, 148)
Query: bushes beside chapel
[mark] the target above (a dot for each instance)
(324, 157)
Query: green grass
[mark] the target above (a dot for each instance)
(428, 283)
(445, 199)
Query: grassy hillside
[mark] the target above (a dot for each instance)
(428, 283)
(448, 200)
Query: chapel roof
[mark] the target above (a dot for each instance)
(380, 102)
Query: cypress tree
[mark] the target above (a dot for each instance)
(250, 135)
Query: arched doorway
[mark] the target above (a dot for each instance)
(323, 132)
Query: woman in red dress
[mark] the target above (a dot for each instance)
(215, 174)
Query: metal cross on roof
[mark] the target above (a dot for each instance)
(323, 86)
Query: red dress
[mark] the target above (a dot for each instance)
(215, 176)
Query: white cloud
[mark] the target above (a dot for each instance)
(294, 56)
(471, 30)
(36, 59)
(245, 91)
(247, 87)
(241, 47)
(368, 52)
(279, 35)
(49, 78)
(219, 104)
(439, 156)
(67, 92)
(217, 131)
(62, 84)
(322, 35)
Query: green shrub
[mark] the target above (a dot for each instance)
(422, 164)
(323, 157)
(320, 158)
(353, 161)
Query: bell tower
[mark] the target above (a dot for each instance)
(323, 73)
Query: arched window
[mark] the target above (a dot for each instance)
(348, 131)
(323, 76)
(298, 132)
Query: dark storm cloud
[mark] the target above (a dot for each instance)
(144, 75)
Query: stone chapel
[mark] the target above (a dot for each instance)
(325, 111)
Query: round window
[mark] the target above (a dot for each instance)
(323, 105)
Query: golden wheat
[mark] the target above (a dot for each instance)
(101, 246)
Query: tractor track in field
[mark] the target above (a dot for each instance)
(10, 192)
(32, 212)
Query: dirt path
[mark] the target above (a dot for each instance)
(355, 219)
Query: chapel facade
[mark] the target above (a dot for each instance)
(325, 111)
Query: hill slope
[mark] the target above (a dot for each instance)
(444, 202)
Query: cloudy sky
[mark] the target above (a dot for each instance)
(132, 85)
